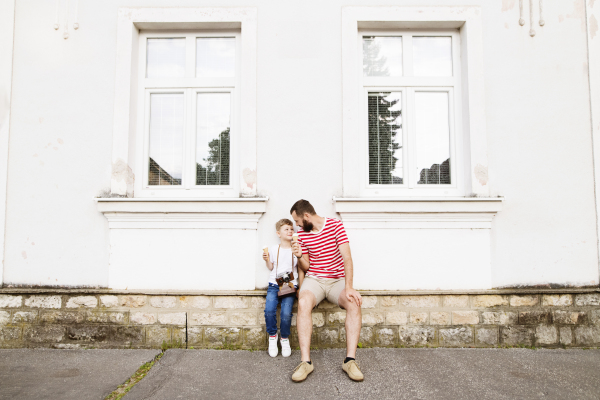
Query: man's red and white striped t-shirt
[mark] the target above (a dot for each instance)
(323, 250)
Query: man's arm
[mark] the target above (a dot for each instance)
(351, 294)
(303, 261)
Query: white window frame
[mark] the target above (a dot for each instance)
(408, 85)
(470, 174)
(126, 146)
(189, 86)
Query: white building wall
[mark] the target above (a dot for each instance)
(537, 117)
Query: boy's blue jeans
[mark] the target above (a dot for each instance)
(287, 303)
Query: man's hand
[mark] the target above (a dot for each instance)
(297, 250)
(353, 296)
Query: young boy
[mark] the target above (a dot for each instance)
(280, 259)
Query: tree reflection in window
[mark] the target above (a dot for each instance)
(214, 170)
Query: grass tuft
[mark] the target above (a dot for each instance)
(123, 389)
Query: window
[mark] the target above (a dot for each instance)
(189, 83)
(410, 95)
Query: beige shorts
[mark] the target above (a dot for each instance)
(324, 288)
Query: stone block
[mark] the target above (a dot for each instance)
(566, 335)
(489, 300)
(589, 299)
(373, 318)
(4, 317)
(255, 337)
(106, 317)
(396, 318)
(82, 301)
(385, 337)
(238, 319)
(456, 336)
(314, 339)
(325, 304)
(587, 335)
(499, 318)
(524, 301)
(62, 317)
(257, 302)
(133, 301)
(439, 318)
(516, 335)
(420, 301)
(570, 318)
(595, 317)
(9, 333)
(546, 334)
(487, 336)
(388, 301)
(163, 301)
(8, 301)
(262, 321)
(418, 318)
(201, 302)
(88, 333)
(465, 317)
(178, 334)
(557, 300)
(318, 319)
(177, 318)
(328, 337)
(109, 301)
(195, 336)
(366, 336)
(209, 318)
(44, 333)
(218, 337)
(24, 317)
(461, 301)
(294, 318)
(127, 335)
(43, 302)
(415, 335)
(534, 317)
(156, 335)
(142, 318)
(338, 317)
(230, 302)
(369, 302)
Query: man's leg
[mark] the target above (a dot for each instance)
(306, 303)
(353, 323)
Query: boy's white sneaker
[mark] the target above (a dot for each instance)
(273, 350)
(286, 350)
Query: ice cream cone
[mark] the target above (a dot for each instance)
(266, 250)
(294, 238)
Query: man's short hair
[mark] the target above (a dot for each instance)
(301, 207)
(283, 222)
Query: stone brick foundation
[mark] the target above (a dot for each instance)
(105, 319)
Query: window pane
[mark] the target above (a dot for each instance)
(165, 58)
(432, 56)
(215, 57)
(212, 138)
(433, 137)
(385, 138)
(166, 139)
(382, 56)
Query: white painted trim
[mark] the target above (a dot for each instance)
(7, 25)
(130, 21)
(593, 45)
(469, 21)
(432, 206)
(231, 206)
(200, 220)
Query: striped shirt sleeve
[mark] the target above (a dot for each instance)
(340, 234)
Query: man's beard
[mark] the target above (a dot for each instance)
(307, 226)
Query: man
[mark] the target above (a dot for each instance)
(323, 252)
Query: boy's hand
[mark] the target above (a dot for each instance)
(265, 256)
(297, 250)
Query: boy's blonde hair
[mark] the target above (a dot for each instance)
(283, 222)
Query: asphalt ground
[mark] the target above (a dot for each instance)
(389, 374)
(224, 374)
(67, 374)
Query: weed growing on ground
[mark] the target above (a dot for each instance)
(123, 389)
(173, 344)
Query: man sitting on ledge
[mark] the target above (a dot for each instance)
(323, 252)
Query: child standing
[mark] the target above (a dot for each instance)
(279, 260)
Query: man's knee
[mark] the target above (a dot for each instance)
(306, 302)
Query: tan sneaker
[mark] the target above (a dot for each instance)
(302, 371)
(353, 370)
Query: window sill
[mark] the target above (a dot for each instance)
(433, 213)
(173, 213)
